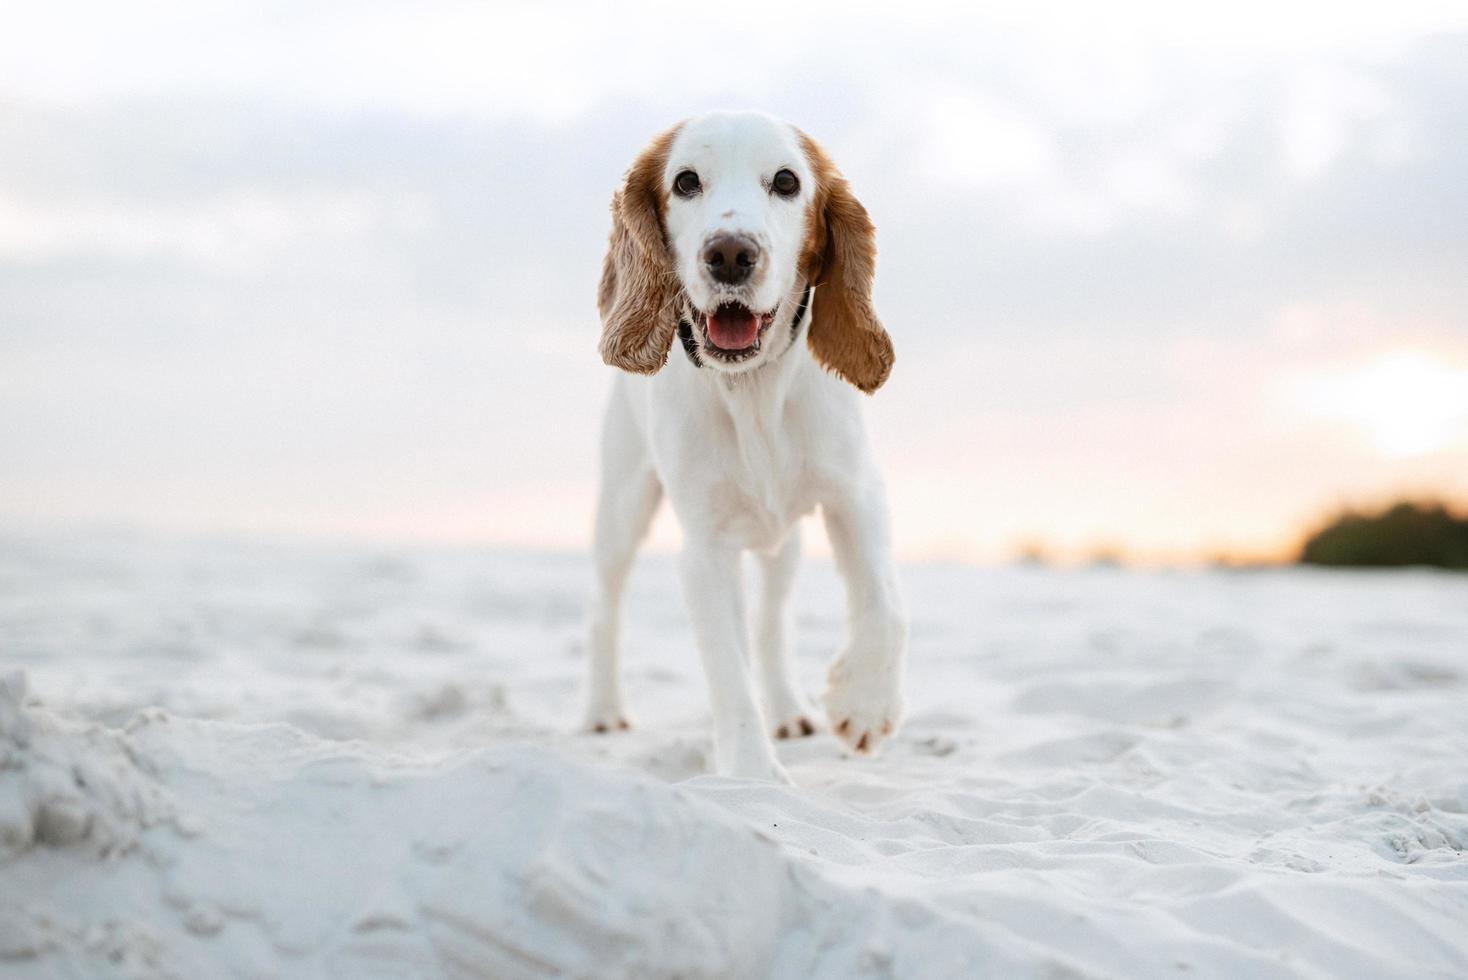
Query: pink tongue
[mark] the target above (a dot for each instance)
(733, 327)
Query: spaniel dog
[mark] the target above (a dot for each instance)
(735, 240)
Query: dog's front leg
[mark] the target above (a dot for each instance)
(714, 591)
(864, 697)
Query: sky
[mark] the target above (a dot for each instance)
(1170, 283)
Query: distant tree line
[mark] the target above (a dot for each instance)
(1403, 534)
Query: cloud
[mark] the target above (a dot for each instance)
(236, 230)
(979, 140)
(1324, 108)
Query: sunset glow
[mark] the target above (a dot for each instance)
(1406, 402)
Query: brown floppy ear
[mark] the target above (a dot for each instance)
(840, 257)
(639, 288)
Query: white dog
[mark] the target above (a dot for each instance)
(734, 234)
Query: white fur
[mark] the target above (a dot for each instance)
(742, 452)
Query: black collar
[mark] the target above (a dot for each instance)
(690, 346)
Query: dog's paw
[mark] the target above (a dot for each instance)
(603, 722)
(750, 756)
(787, 709)
(863, 706)
(797, 725)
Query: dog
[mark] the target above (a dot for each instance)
(735, 239)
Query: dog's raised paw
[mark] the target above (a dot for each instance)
(864, 708)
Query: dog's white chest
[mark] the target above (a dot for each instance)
(735, 461)
(762, 492)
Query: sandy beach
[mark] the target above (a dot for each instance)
(233, 759)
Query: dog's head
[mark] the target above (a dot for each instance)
(725, 219)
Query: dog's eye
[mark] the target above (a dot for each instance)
(686, 184)
(785, 183)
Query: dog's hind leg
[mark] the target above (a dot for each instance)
(627, 500)
(786, 710)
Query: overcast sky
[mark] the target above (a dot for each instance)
(1172, 284)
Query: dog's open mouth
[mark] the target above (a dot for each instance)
(733, 331)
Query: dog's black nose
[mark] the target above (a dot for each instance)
(731, 258)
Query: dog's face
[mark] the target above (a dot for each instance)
(725, 219)
(737, 191)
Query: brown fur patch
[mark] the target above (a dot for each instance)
(840, 256)
(638, 295)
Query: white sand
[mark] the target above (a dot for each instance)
(265, 761)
